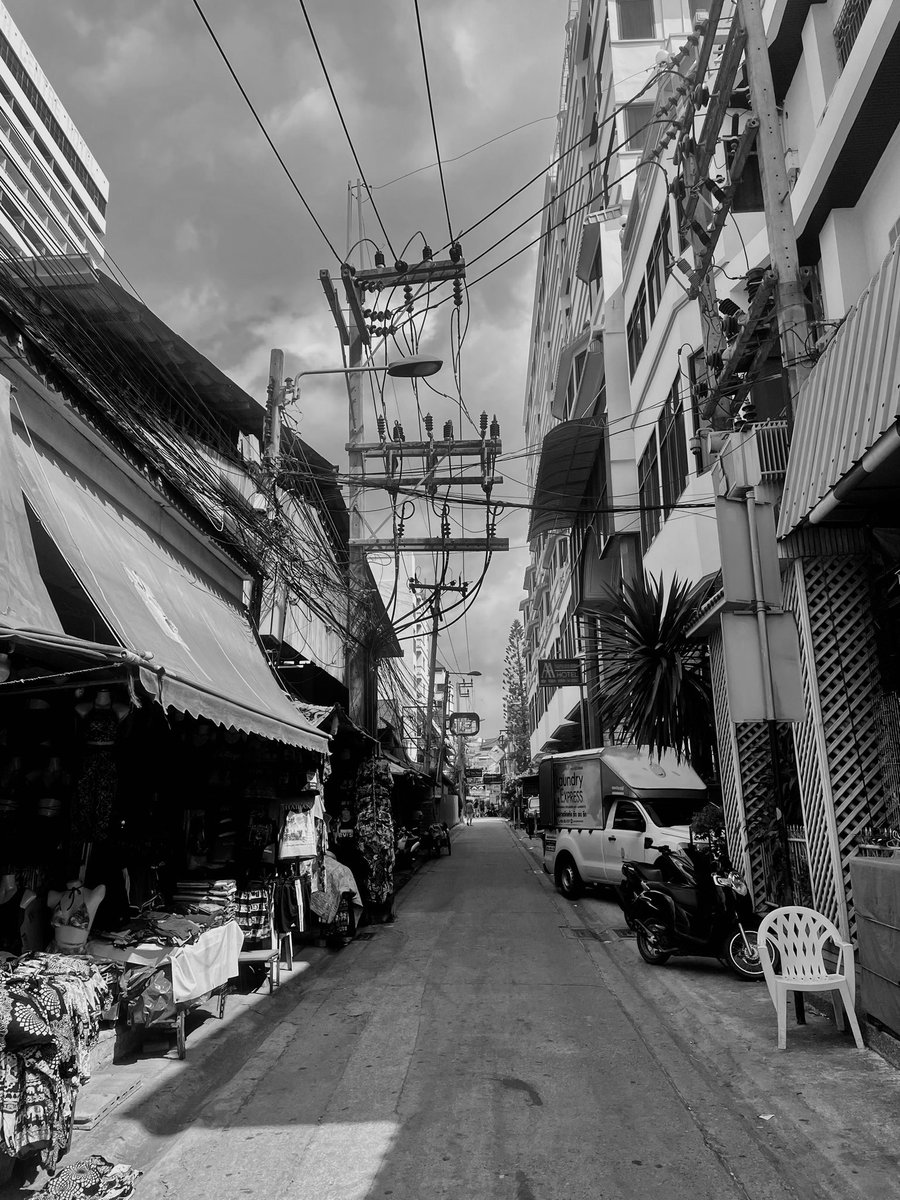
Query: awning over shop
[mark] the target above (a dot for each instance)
(24, 601)
(567, 460)
(847, 412)
(199, 653)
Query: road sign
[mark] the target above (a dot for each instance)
(559, 672)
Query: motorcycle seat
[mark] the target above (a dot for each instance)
(651, 874)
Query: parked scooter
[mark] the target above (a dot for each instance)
(681, 904)
(407, 847)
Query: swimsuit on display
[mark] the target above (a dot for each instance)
(72, 910)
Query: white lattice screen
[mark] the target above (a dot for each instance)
(837, 746)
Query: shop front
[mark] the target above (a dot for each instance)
(161, 797)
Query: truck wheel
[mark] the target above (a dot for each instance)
(649, 951)
(567, 878)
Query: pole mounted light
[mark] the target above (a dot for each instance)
(416, 366)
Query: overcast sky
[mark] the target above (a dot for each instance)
(209, 231)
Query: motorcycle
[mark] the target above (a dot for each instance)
(684, 903)
(407, 847)
(435, 838)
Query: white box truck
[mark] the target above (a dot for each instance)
(601, 807)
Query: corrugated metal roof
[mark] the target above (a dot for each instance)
(849, 399)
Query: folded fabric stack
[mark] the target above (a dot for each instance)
(207, 897)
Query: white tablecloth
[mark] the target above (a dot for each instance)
(196, 969)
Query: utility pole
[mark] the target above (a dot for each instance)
(436, 589)
(790, 298)
(272, 457)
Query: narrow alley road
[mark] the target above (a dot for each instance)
(475, 1050)
(469, 1050)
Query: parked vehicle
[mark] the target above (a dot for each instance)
(435, 838)
(685, 904)
(601, 807)
(407, 848)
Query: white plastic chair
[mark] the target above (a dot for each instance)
(794, 939)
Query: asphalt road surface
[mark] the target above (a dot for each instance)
(471, 1050)
(501, 1043)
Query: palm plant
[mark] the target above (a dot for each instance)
(654, 683)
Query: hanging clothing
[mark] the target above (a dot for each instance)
(375, 830)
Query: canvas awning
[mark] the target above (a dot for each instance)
(198, 652)
(568, 455)
(24, 600)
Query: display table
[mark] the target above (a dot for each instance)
(198, 969)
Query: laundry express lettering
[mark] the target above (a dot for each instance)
(570, 799)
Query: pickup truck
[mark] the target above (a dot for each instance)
(602, 807)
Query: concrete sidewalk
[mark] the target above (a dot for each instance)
(821, 1097)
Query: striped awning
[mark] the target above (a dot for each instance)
(849, 403)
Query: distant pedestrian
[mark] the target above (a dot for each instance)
(469, 812)
(529, 824)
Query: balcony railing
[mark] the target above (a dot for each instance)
(848, 26)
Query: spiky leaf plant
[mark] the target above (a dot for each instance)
(654, 686)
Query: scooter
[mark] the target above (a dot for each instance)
(406, 848)
(682, 905)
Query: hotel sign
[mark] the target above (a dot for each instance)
(559, 672)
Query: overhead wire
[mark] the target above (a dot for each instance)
(437, 148)
(340, 114)
(265, 131)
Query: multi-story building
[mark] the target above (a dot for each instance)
(684, 404)
(578, 404)
(53, 194)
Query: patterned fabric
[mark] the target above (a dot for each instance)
(93, 1178)
(375, 828)
(50, 1007)
(253, 914)
(95, 795)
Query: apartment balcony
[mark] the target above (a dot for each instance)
(847, 27)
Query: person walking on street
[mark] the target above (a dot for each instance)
(469, 812)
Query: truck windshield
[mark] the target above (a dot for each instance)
(666, 812)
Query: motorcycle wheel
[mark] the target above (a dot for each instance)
(746, 965)
(649, 952)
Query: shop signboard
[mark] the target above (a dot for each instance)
(491, 780)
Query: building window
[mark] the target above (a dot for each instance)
(42, 108)
(638, 118)
(658, 264)
(673, 453)
(636, 19)
(637, 329)
(648, 491)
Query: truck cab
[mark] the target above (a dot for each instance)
(602, 807)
